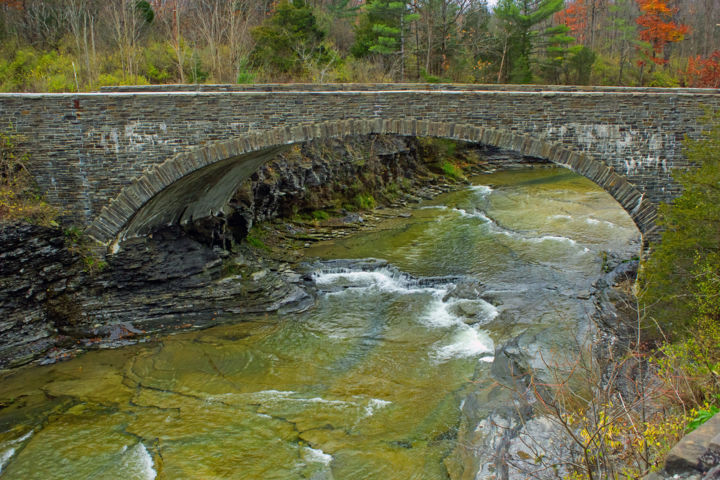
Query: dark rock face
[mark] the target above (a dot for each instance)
(37, 276)
(326, 174)
(53, 298)
(51, 306)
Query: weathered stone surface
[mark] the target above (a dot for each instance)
(163, 134)
(688, 453)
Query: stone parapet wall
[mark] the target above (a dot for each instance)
(365, 87)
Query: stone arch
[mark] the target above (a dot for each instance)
(200, 180)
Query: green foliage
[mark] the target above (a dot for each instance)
(254, 238)
(144, 9)
(289, 41)
(159, 64)
(231, 269)
(683, 263)
(378, 30)
(93, 264)
(452, 170)
(427, 78)
(581, 62)
(28, 69)
(381, 30)
(660, 78)
(519, 19)
(364, 201)
(245, 75)
(701, 416)
(442, 148)
(557, 51)
(681, 279)
(691, 366)
(117, 78)
(320, 215)
(73, 234)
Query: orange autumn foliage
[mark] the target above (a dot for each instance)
(658, 28)
(16, 4)
(575, 17)
(704, 72)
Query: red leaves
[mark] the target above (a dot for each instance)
(704, 72)
(575, 17)
(16, 4)
(658, 27)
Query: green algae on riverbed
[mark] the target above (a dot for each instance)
(370, 383)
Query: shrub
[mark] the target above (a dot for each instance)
(20, 198)
(364, 201)
(451, 170)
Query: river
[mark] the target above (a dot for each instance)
(386, 377)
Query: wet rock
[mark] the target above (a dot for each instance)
(542, 449)
(469, 289)
(256, 276)
(510, 366)
(471, 309)
(352, 218)
(623, 272)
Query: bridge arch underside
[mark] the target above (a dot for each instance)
(200, 181)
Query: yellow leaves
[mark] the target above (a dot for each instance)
(19, 199)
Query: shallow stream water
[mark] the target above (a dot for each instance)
(371, 383)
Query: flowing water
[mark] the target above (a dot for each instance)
(371, 383)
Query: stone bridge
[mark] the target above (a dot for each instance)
(126, 160)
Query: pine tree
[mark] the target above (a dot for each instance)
(519, 20)
(382, 30)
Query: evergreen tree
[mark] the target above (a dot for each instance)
(519, 20)
(557, 51)
(382, 30)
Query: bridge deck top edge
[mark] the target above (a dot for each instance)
(129, 94)
(401, 86)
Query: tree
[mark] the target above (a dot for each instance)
(704, 72)
(290, 41)
(479, 43)
(382, 31)
(128, 20)
(623, 32)
(676, 274)
(442, 21)
(172, 16)
(81, 17)
(557, 51)
(519, 20)
(575, 17)
(580, 63)
(658, 28)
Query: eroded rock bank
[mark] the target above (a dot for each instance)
(56, 299)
